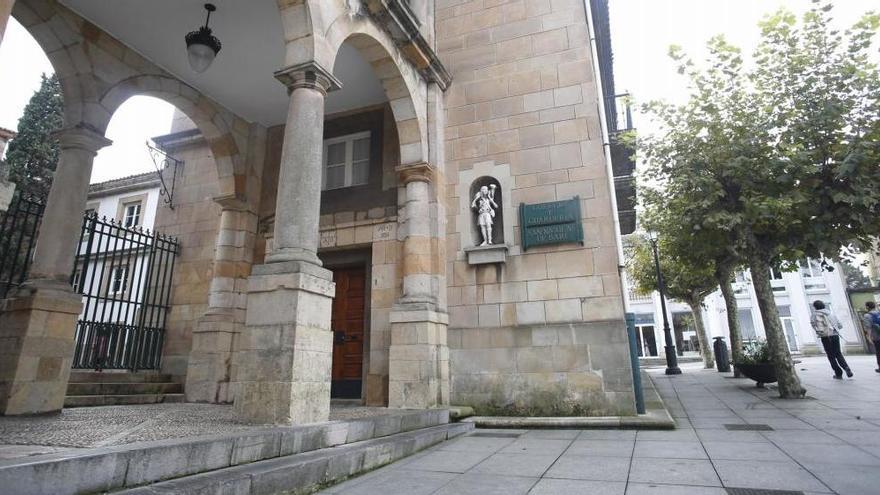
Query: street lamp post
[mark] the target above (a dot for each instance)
(671, 358)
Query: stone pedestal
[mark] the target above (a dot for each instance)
(38, 321)
(37, 326)
(418, 358)
(286, 354)
(211, 368)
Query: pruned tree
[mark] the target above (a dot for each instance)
(685, 281)
(778, 160)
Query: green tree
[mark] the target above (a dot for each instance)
(685, 281)
(33, 154)
(854, 277)
(779, 160)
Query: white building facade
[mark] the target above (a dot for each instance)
(795, 292)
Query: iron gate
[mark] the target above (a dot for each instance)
(18, 235)
(124, 275)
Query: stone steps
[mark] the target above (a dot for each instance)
(124, 388)
(121, 400)
(117, 377)
(270, 451)
(302, 473)
(114, 388)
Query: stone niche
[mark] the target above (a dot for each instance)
(487, 175)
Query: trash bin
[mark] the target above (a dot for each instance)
(722, 361)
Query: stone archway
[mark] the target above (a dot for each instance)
(213, 122)
(405, 94)
(55, 29)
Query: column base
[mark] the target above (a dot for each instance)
(37, 328)
(210, 367)
(418, 358)
(286, 354)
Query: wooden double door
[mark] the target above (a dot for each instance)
(347, 323)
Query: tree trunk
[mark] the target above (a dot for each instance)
(702, 338)
(724, 275)
(788, 381)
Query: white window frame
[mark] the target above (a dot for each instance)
(814, 277)
(349, 140)
(77, 280)
(126, 217)
(123, 282)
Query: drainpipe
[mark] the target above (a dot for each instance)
(606, 146)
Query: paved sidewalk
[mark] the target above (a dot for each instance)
(829, 443)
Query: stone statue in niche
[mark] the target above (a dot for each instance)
(484, 203)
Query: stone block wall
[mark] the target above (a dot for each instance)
(546, 327)
(194, 221)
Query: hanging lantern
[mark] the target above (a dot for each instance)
(202, 46)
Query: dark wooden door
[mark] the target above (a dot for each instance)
(347, 323)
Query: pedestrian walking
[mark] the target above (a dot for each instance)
(827, 328)
(871, 324)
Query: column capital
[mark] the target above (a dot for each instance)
(81, 137)
(416, 172)
(308, 75)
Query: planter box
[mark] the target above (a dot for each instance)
(761, 373)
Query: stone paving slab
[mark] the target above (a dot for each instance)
(827, 443)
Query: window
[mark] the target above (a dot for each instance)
(347, 161)
(788, 326)
(119, 279)
(132, 217)
(746, 324)
(90, 212)
(813, 274)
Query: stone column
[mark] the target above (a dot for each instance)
(286, 355)
(418, 357)
(211, 367)
(38, 321)
(417, 243)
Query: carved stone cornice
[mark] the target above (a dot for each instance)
(308, 75)
(398, 20)
(416, 172)
(81, 136)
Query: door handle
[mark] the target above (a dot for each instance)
(338, 337)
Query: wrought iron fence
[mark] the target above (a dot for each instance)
(124, 275)
(18, 234)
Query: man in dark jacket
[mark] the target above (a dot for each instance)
(871, 325)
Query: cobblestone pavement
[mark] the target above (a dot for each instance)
(828, 443)
(115, 425)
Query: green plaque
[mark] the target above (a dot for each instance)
(556, 222)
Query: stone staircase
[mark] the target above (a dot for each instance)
(111, 388)
(262, 461)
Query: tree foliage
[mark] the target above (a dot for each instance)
(685, 280)
(776, 161)
(33, 154)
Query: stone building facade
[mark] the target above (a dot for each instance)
(331, 248)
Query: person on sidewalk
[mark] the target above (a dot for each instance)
(827, 327)
(871, 323)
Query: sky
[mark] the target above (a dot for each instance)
(642, 31)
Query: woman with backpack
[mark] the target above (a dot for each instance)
(872, 328)
(827, 327)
